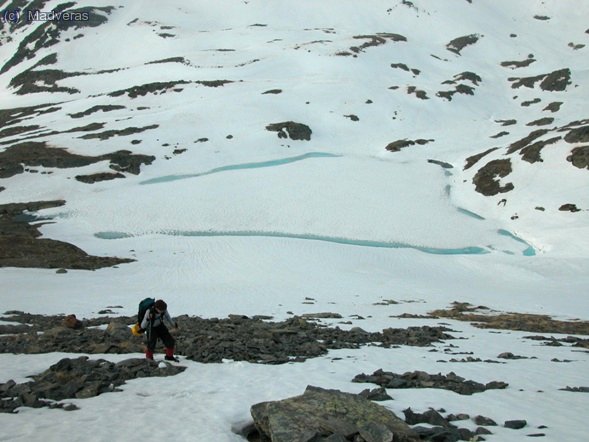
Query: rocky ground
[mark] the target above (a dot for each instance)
(260, 340)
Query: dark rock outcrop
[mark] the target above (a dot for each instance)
(97, 177)
(396, 146)
(78, 378)
(292, 130)
(554, 81)
(569, 207)
(21, 245)
(472, 160)
(578, 135)
(458, 44)
(516, 424)
(580, 157)
(14, 159)
(329, 415)
(486, 182)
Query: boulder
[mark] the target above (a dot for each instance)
(320, 414)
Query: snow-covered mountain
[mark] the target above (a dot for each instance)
(242, 156)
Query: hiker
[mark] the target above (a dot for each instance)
(154, 322)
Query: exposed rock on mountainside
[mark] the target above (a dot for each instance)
(554, 81)
(48, 33)
(486, 179)
(21, 245)
(31, 154)
(396, 146)
(292, 130)
(519, 64)
(580, 157)
(458, 44)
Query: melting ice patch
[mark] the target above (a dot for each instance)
(471, 250)
(256, 165)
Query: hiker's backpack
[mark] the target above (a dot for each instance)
(144, 305)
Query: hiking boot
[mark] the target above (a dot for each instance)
(172, 358)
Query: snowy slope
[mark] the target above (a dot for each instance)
(231, 218)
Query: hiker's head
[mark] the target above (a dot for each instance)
(160, 306)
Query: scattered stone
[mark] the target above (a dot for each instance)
(421, 379)
(576, 389)
(442, 164)
(569, 208)
(377, 394)
(482, 430)
(515, 424)
(324, 315)
(292, 130)
(482, 420)
(457, 417)
(320, 414)
(431, 417)
(386, 302)
(509, 355)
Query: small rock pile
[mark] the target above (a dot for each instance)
(78, 378)
(421, 379)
